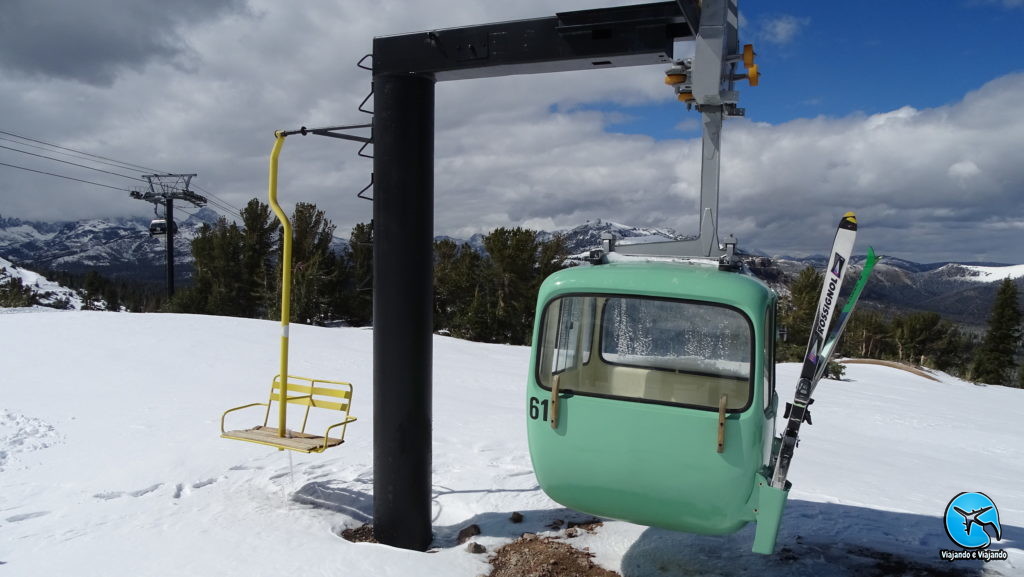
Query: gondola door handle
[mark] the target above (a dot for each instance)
(722, 402)
(554, 402)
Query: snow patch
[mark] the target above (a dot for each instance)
(994, 273)
(23, 434)
(48, 292)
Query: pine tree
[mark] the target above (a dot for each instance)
(262, 237)
(512, 254)
(917, 336)
(551, 256)
(797, 313)
(994, 361)
(867, 336)
(219, 288)
(312, 264)
(952, 350)
(14, 294)
(357, 305)
(462, 291)
(446, 284)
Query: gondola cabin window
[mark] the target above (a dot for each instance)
(650, 350)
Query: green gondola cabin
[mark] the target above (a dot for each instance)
(663, 408)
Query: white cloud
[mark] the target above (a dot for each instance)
(903, 171)
(518, 150)
(688, 124)
(964, 170)
(782, 29)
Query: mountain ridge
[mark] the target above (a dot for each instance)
(122, 248)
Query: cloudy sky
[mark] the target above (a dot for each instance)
(905, 112)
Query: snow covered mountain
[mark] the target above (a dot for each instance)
(961, 292)
(123, 248)
(113, 247)
(587, 236)
(957, 291)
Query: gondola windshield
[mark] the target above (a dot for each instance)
(656, 350)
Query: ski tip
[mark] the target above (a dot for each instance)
(849, 221)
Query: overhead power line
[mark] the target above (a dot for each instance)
(126, 164)
(219, 201)
(214, 201)
(63, 176)
(82, 156)
(72, 163)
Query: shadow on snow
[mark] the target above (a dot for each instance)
(815, 539)
(818, 539)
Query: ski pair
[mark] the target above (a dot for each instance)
(845, 314)
(820, 347)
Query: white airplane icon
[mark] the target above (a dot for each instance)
(972, 518)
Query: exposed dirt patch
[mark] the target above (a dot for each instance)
(588, 525)
(893, 364)
(467, 533)
(535, 556)
(361, 534)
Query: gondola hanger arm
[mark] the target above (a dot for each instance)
(333, 132)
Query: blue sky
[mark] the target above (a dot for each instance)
(840, 58)
(907, 112)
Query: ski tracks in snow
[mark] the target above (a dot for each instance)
(180, 490)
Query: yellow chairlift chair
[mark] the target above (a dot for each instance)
(293, 390)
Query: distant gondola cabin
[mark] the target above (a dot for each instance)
(159, 226)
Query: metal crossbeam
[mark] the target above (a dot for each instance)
(579, 40)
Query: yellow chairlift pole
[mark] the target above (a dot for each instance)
(286, 281)
(286, 258)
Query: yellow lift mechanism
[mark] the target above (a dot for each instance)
(318, 393)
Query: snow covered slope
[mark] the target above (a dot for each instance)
(995, 273)
(111, 463)
(49, 293)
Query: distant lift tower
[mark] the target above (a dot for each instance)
(164, 189)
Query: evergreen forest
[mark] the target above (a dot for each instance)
(489, 295)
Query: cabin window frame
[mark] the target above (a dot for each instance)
(583, 335)
(770, 350)
(598, 325)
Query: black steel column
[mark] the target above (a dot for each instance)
(170, 247)
(403, 224)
